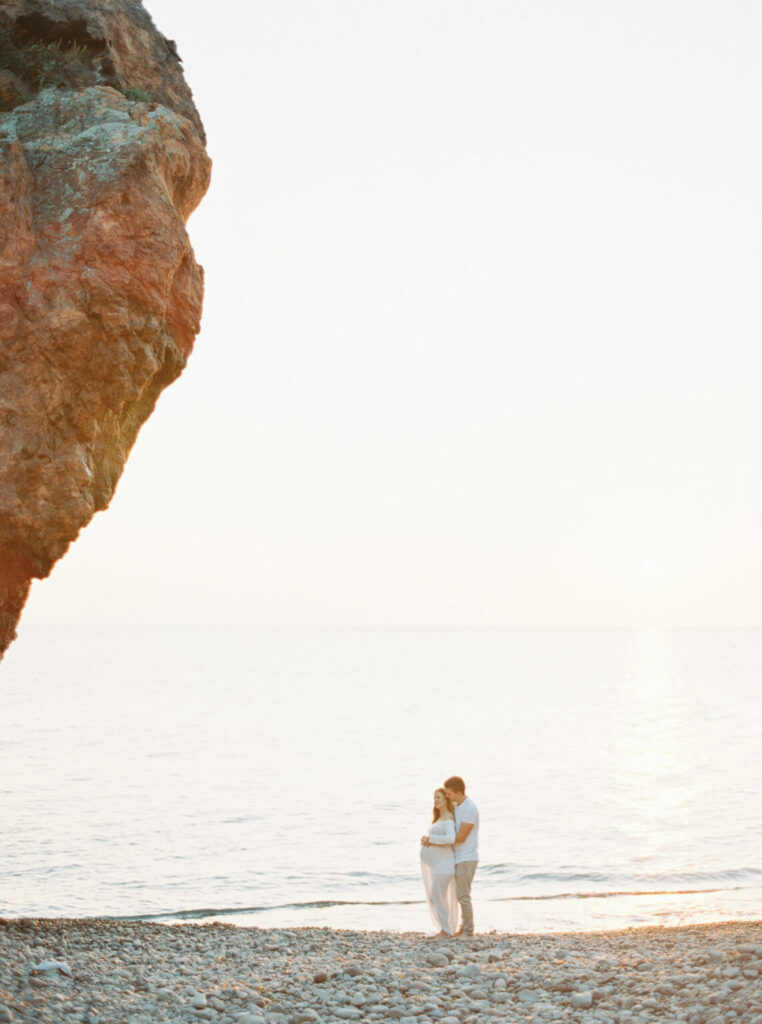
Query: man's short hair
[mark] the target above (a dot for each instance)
(455, 782)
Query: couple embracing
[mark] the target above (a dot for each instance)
(449, 855)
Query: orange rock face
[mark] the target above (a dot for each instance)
(102, 160)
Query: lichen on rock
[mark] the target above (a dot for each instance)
(101, 295)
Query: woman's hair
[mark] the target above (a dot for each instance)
(448, 807)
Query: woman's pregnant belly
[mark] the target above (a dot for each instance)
(440, 859)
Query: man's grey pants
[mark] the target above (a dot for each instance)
(464, 876)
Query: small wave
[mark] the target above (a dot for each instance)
(672, 880)
(608, 895)
(193, 915)
(206, 912)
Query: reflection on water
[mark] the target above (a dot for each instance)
(544, 915)
(151, 771)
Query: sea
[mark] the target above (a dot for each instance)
(284, 777)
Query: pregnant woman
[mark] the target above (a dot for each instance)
(438, 866)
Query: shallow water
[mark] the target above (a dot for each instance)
(283, 777)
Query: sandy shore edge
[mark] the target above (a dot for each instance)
(101, 971)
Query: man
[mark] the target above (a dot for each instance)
(466, 848)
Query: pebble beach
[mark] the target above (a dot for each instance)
(115, 972)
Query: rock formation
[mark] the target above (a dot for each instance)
(102, 160)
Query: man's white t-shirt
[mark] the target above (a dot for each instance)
(467, 812)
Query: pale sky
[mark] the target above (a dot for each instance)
(481, 339)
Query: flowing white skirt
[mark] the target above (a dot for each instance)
(438, 870)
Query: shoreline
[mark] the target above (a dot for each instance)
(32, 924)
(105, 971)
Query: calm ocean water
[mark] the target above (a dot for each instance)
(284, 777)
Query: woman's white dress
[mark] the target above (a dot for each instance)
(438, 870)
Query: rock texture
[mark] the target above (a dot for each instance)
(102, 160)
(100, 971)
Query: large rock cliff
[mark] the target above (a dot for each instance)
(102, 160)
